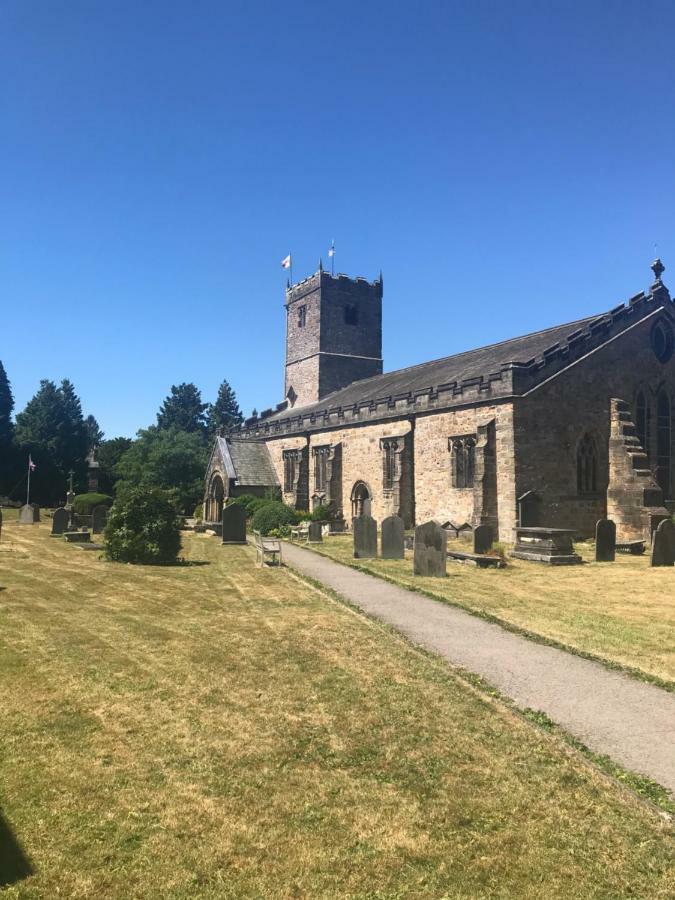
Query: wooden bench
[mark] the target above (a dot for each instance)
(267, 546)
(480, 559)
(300, 532)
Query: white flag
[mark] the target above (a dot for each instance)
(286, 263)
(331, 249)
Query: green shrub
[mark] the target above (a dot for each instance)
(83, 504)
(245, 500)
(199, 512)
(143, 527)
(272, 515)
(321, 514)
(258, 503)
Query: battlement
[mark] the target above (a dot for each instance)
(323, 279)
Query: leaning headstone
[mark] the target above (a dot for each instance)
(365, 537)
(393, 538)
(234, 524)
(99, 517)
(431, 550)
(60, 521)
(605, 541)
(314, 533)
(27, 514)
(482, 539)
(36, 512)
(663, 544)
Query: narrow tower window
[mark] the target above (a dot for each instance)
(302, 316)
(351, 314)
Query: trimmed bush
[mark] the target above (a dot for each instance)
(321, 514)
(143, 527)
(199, 512)
(83, 504)
(272, 515)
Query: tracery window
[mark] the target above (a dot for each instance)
(290, 458)
(587, 466)
(462, 460)
(390, 447)
(320, 468)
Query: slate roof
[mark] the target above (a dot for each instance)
(460, 367)
(248, 462)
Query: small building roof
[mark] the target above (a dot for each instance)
(247, 462)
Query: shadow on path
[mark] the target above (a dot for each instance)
(14, 864)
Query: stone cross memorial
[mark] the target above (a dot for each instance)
(663, 544)
(234, 524)
(605, 541)
(60, 521)
(431, 550)
(482, 539)
(393, 538)
(314, 533)
(99, 517)
(365, 537)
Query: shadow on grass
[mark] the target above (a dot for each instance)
(14, 864)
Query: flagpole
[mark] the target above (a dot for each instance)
(28, 491)
(332, 259)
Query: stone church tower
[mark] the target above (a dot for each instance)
(333, 335)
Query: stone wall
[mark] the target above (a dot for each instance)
(552, 419)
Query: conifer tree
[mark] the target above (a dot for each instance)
(183, 410)
(6, 408)
(225, 412)
(94, 433)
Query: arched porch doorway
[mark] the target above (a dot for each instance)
(361, 499)
(215, 500)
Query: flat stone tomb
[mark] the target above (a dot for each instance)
(315, 533)
(431, 550)
(393, 538)
(99, 517)
(29, 514)
(482, 539)
(365, 537)
(234, 524)
(663, 544)
(60, 521)
(605, 541)
(77, 537)
(549, 545)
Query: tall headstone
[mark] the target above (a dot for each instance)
(431, 550)
(605, 541)
(234, 524)
(36, 512)
(663, 544)
(365, 537)
(27, 514)
(314, 533)
(0, 522)
(60, 521)
(482, 539)
(393, 536)
(99, 517)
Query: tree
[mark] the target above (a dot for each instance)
(143, 527)
(225, 412)
(94, 433)
(165, 458)
(183, 409)
(108, 455)
(6, 409)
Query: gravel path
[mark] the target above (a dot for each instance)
(629, 720)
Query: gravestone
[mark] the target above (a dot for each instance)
(27, 514)
(77, 537)
(663, 544)
(60, 521)
(234, 524)
(314, 533)
(99, 517)
(605, 540)
(393, 538)
(0, 522)
(36, 512)
(365, 537)
(482, 539)
(431, 550)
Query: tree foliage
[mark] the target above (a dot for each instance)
(225, 412)
(143, 527)
(108, 455)
(169, 459)
(94, 433)
(183, 410)
(6, 409)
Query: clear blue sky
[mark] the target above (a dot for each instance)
(508, 165)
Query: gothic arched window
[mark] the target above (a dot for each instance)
(462, 460)
(587, 466)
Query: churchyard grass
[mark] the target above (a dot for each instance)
(623, 612)
(221, 730)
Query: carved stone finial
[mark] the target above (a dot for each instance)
(658, 269)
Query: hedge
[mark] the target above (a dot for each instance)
(83, 504)
(273, 515)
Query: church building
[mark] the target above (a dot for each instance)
(559, 428)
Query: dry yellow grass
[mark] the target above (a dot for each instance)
(215, 730)
(622, 611)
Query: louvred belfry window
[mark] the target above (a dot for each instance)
(463, 460)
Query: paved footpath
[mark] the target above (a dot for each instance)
(626, 719)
